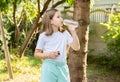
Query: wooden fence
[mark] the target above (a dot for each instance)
(99, 15)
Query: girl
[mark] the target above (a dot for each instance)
(51, 47)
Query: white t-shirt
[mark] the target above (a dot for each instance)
(55, 42)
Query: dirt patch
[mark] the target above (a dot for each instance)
(103, 78)
(24, 78)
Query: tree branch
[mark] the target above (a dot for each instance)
(38, 6)
(45, 7)
(33, 28)
(10, 19)
(15, 22)
(14, 13)
(57, 3)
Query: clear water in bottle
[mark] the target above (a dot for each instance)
(70, 22)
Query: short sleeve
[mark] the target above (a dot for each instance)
(68, 37)
(40, 42)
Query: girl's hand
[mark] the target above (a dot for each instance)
(71, 27)
(71, 24)
(52, 55)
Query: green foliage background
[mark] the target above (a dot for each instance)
(112, 38)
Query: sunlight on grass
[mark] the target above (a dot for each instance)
(3, 75)
(29, 67)
(25, 65)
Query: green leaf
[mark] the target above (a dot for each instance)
(70, 2)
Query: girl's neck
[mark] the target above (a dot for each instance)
(55, 29)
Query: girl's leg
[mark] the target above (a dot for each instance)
(64, 75)
(46, 74)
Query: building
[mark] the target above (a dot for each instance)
(102, 9)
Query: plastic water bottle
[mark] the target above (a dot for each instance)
(72, 23)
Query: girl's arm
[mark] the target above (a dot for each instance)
(75, 44)
(40, 55)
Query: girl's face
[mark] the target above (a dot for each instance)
(57, 20)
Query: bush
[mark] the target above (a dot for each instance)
(105, 60)
(112, 38)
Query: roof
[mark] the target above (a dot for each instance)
(106, 3)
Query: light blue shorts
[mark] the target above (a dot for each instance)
(53, 71)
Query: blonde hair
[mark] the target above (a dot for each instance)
(46, 21)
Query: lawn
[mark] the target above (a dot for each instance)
(24, 68)
(27, 69)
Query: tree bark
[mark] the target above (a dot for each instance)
(58, 3)
(77, 60)
(6, 51)
(17, 32)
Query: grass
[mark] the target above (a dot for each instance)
(96, 73)
(28, 65)
(25, 65)
(94, 70)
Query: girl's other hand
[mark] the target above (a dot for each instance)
(53, 55)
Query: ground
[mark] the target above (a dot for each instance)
(24, 78)
(93, 78)
(104, 78)
(95, 74)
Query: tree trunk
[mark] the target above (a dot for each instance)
(77, 60)
(22, 48)
(5, 49)
(17, 32)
